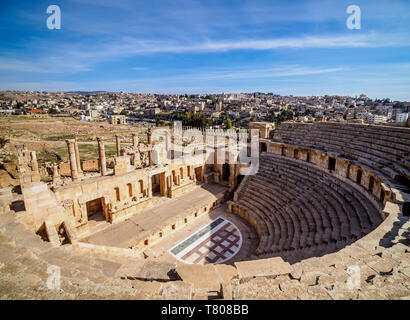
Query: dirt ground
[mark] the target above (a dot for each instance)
(47, 136)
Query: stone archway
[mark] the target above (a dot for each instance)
(95, 209)
(226, 172)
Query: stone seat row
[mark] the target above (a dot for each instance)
(398, 146)
(295, 209)
(338, 141)
(378, 137)
(385, 161)
(302, 171)
(362, 141)
(377, 133)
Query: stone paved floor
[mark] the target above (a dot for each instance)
(160, 250)
(126, 233)
(217, 242)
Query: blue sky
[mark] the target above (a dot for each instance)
(294, 47)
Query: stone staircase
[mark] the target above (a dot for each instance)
(25, 259)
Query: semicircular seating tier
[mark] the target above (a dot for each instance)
(300, 211)
(383, 150)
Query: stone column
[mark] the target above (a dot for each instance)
(118, 144)
(149, 136)
(134, 140)
(150, 157)
(34, 164)
(101, 153)
(149, 139)
(149, 186)
(71, 156)
(77, 157)
(232, 175)
(56, 175)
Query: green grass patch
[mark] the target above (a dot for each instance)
(87, 152)
(90, 151)
(56, 155)
(59, 138)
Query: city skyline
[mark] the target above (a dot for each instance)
(178, 47)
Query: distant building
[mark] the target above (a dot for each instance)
(152, 112)
(117, 120)
(265, 128)
(402, 117)
(94, 113)
(85, 118)
(376, 118)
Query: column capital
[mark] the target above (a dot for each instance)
(70, 141)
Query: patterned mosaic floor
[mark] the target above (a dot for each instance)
(215, 243)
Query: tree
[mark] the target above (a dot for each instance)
(228, 124)
(52, 110)
(308, 112)
(285, 115)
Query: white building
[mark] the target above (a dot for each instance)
(376, 118)
(402, 117)
(85, 118)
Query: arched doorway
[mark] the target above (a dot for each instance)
(95, 209)
(371, 184)
(239, 179)
(359, 176)
(226, 172)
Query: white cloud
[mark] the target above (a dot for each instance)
(129, 46)
(45, 65)
(82, 57)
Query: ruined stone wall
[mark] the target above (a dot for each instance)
(90, 165)
(127, 191)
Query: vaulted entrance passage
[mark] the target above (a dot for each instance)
(158, 185)
(239, 180)
(332, 164)
(225, 172)
(198, 173)
(95, 209)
